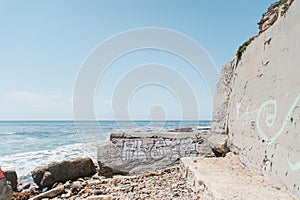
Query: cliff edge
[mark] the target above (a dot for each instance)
(257, 102)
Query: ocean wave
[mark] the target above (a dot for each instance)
(25, 162)
(8, 133)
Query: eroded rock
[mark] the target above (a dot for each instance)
(50, 194)
(63, 171)
(12, 177)
(5, 189)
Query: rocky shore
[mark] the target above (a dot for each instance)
(155, 154)
(166, 183)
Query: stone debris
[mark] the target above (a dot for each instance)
(167, 183)
(50, 194)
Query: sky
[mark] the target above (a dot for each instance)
(43, 45)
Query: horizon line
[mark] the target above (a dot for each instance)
(71, 120)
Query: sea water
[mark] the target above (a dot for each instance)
(25, 145)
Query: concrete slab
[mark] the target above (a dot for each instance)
(226, 178)
(136, 152)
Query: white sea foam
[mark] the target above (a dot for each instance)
(25, 162)
(27, 145)
(8, 133)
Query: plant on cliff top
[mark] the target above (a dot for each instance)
(272, 7)
(243, 47)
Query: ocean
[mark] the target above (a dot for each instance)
(26, 145)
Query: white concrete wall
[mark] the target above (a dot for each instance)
(263, 121)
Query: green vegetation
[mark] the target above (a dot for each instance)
(271, 10)
(243, 47)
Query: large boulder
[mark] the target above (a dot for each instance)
(12, 178)
(5, 190)
(63, 171)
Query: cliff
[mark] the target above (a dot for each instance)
(256, 106)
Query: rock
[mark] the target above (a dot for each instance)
(94, 182)
(50, 194)
(67, 195)
(48, 179)
(12, 177)
(33, 187)
(96, 176)
(63, 171)
(218, 143)
(76, 186)
(26, 186)
(67, 184)
(56, 185)
(100, 197)
(181, 130)
(98, 192)
(5, 190)
(85, 192)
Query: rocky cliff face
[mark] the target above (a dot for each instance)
(257, 103)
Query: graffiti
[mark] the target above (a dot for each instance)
(158, 149)
(134, 150)
(294, 167)
(269, 122)
(271, 117)
(248, 116)
(142, 150)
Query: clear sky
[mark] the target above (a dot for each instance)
(43, 44)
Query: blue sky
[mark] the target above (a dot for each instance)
(44, 43)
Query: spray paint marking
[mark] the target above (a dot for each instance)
(294, 167)
(270, 119)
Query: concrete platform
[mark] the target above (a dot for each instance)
(137, 152)
(226, 178)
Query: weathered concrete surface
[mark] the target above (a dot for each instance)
(134, 152)
(221, 97)
(63, 171)
(225, 178)
(262, 118)
(219, 138)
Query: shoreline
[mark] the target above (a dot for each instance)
(167, 183)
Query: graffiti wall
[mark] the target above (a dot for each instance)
(138, 151)
(263, 103)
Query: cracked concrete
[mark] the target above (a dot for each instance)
(226, 178)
